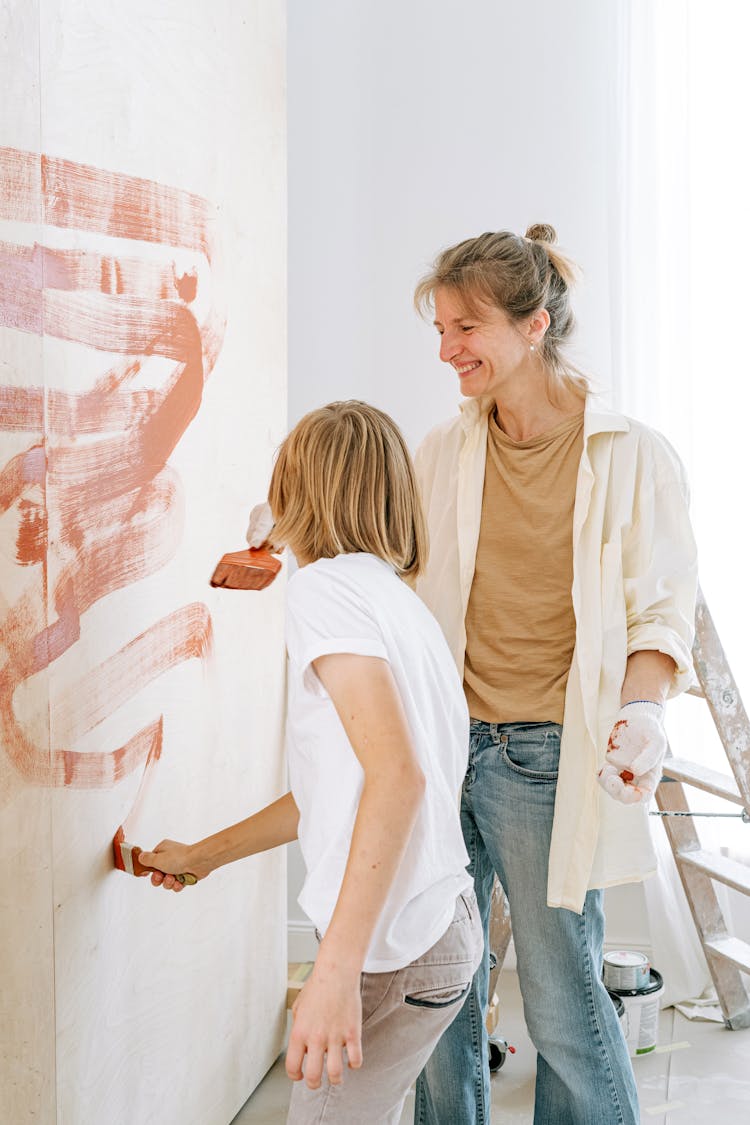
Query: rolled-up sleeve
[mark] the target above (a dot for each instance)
(660, 572)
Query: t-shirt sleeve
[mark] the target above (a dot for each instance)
(327, 614)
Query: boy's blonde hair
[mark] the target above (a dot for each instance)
(344, 482)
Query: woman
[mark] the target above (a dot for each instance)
(562, 569)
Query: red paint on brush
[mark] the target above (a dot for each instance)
(127, 856)
(251, 569)
(113, 500)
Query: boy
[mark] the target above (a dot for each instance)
(377, 736)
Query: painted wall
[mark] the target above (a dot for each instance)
(142, 392)
(412, 126)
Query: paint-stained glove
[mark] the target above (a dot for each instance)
(635, 752)
(260, 525)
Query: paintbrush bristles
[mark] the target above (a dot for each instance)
(126, 858)
(252, 569)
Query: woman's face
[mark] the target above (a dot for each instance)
(486, 350)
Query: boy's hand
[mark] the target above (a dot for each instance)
(327, 1018)
(170, 859)
(260, 525)
(635, 752)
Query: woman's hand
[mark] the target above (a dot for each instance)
(635, 752)
(170, 859)
(327, 1018)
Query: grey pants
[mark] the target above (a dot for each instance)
(404, 1013)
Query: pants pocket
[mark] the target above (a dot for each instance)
(532, 753)
(439, 997)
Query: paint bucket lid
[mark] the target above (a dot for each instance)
(626, 959)
(655, 983)
(618, 1003)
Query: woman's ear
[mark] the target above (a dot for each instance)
(537, 325)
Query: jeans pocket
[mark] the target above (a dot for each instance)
(441, 996)
(536, 758)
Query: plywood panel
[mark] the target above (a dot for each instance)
(27, 1026)
(154, 304)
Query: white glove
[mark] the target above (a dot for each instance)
(635, 752)
(260, 525)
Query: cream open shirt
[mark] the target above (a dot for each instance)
(634, 587)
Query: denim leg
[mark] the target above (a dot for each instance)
(454, 1086)
(584, 1076)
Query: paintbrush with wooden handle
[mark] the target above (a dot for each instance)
(255, 568)
(127, 859)
(251, 569)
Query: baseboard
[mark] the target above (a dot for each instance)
(302, 943)
(635, 947)
(630, 946)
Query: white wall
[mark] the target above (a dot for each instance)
(412, 126)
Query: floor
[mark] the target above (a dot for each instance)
(698, 1075)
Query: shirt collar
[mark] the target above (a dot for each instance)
(598, 416)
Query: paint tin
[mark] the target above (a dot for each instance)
(641, 1026)
(626, 970)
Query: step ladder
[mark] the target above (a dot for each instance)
(728, 957)
(499, 940)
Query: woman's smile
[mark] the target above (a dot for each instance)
(466, 368)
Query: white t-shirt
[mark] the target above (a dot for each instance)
(358, 604)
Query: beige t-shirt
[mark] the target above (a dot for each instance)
(520, 624)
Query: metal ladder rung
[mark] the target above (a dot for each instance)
(727, 871)
(701, 777)
(697, 691)
(731, 949)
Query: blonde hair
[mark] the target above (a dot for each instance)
(520, 276)
(344, 482)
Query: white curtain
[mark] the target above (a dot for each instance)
(680, 223)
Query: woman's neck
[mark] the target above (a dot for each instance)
(526, 412)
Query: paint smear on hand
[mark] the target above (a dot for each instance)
(113, 500)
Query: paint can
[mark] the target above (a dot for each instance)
(642, 1012)
(626, 970)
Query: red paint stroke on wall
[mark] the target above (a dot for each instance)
(95, 465)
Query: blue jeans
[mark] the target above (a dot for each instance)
(584, 1076)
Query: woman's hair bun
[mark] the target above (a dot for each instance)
(542, 232)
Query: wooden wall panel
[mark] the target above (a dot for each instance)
(142, 311)
(27, 1010)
